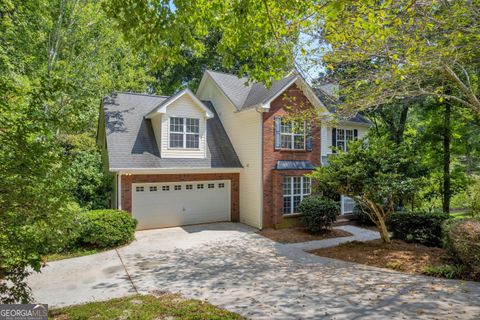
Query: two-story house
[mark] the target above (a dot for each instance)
(230, 152)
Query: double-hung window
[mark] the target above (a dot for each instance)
(341, 137)
(292, 135)
(184, 133)
(294, 190)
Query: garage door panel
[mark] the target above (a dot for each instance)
(175, 204)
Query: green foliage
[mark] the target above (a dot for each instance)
(419, 227)
(376, 174)
(251, 38)
(319, 213)
(92, 184)
(57, 58)
(473, 200)
(362, 214)
(462, 241)
(107, 228)
(449, 271)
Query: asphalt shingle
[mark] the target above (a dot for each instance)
(131, 142)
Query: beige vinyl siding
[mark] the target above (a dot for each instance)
(326, 135)
(184, 107)
(244, 131)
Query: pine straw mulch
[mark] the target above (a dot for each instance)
(295, 235)
(398, 255)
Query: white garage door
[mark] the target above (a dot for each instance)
(159, 205)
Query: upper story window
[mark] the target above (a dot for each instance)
(184, 133)
(341, 137)
(292, 135)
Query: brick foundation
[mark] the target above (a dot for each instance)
(128, 180)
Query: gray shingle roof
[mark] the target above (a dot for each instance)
(243, 94)
(131, 142)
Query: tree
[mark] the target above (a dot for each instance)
(412, 48)
(56, 60)
(376, 174)
(404, 48)
(246, 37)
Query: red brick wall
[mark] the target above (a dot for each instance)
(234, 178)
(272, 179)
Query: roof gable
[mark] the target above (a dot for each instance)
(162, 107)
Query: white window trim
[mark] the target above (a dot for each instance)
(292, 135)
(344, 140)
(291, 195)
(184, 133)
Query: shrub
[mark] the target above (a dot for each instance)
(462, 241)
(107, 228)
(474, 198)
(318, 213)
(449, 271)
(420, 227)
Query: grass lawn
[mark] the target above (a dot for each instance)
(399, 255)
(461, 214)
(71, 254)
(164, 306)
(298, 234)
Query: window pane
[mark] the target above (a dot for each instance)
(340, 134)
(341, 145)
(349, 134)
(176, 140)
(299, 142)
(193, 125)
(306, 186)
(298, 127)
(286, 126)
(193, 141)
(287, 205)
(176, 124)
(287, 186)
(296, 203)
(285, 141)
(297, 185)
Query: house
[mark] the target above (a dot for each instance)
(225, 153)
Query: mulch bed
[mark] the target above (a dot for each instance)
(295, 235)
(398, 255)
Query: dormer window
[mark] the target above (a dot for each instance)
(184, 133)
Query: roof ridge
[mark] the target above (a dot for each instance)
(225, 73)
(142, 94)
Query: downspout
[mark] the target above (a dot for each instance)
(119, 191)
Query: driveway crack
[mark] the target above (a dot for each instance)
(126, 271)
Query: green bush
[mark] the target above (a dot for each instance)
(318, 213)
(107, 228)
(449, 271)
(462, 241)
(419, 227)
(474, 198)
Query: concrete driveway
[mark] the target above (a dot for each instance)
(236, 269)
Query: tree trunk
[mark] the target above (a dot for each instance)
(446, 159)
(380, 220)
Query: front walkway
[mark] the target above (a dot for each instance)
(234, 268)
